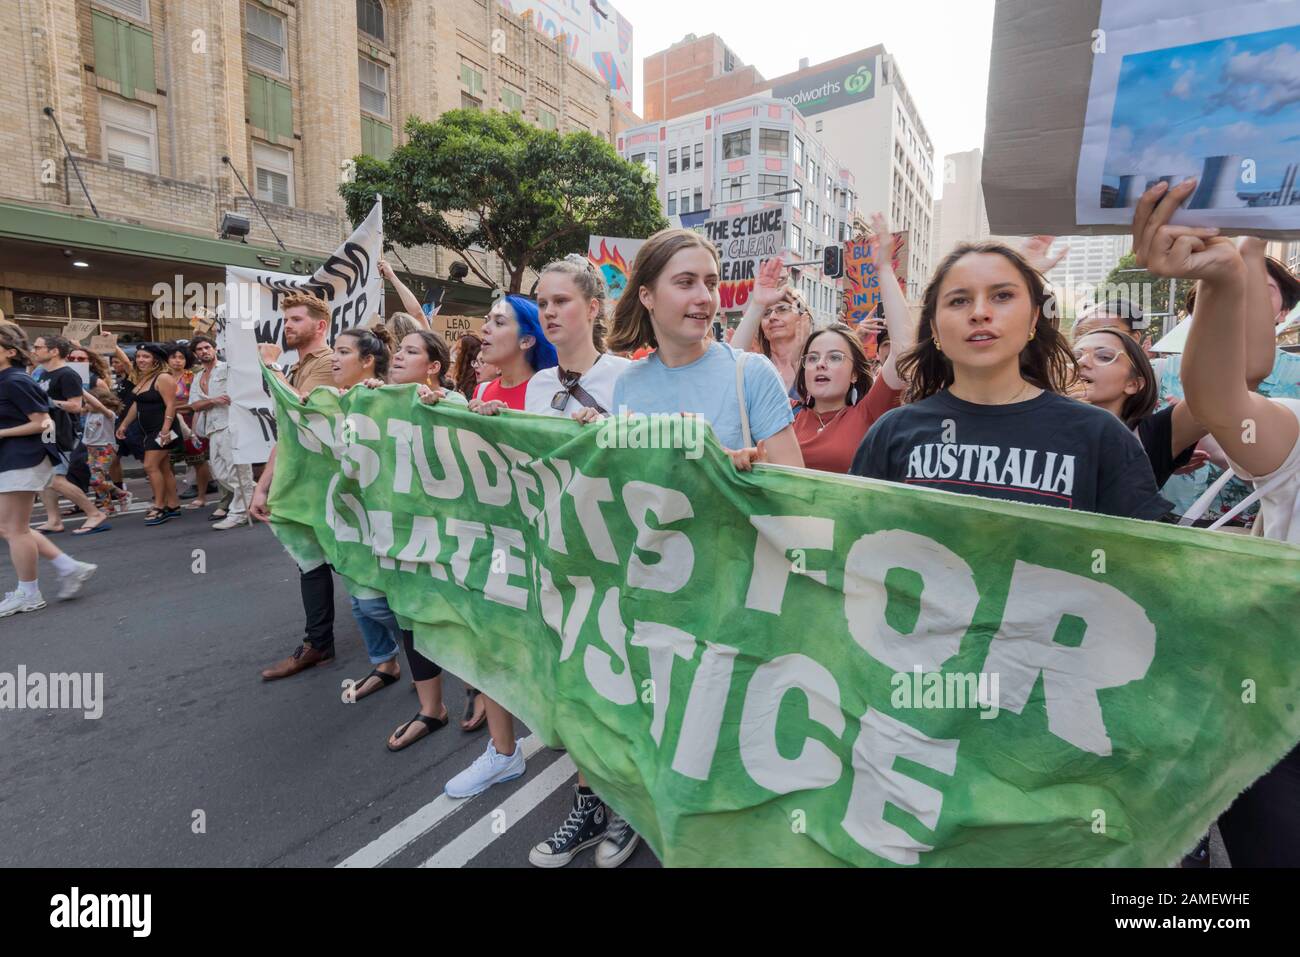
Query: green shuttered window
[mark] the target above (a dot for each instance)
(123, 54)
(270, 105)
(376, 138)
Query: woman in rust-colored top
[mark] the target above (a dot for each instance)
(839, 400)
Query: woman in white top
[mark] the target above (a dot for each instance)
(1261, 437)
(571, 306)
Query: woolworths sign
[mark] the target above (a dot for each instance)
(830, 89)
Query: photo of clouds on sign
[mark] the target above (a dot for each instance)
(1179, 91)
(1226, 112)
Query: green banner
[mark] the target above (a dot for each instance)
(795, 668)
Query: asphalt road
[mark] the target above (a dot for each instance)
(285, 773)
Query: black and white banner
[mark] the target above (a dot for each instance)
(349, 282)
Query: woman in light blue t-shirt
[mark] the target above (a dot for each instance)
(671, 298)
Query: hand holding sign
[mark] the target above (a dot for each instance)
(104, 344)
(1188, 252)
(269, 352)
(882, 246)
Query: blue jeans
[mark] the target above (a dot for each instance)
(379, 628)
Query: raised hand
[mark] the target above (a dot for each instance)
(1037, 249)
(882, 248)
(769, 287)
(386, 270)
(1184, 252)
(269, 351)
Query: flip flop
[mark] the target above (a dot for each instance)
(101, 527)
(384, 678)
(50, 531)
(470, 695)
(432, 724)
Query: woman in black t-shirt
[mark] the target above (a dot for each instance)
(985, 413)
(1117, 376)
(26, 467)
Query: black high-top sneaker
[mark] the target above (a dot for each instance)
(586, 825)
(620, 842)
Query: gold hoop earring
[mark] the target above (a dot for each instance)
(936, 344)
(1033, 331)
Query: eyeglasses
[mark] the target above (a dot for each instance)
(835, 358)
(780, 309)
(1101, 355)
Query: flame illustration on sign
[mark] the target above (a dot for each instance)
(612, 267)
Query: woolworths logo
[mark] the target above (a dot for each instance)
(832, 91)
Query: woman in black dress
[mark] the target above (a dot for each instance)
(155, 408)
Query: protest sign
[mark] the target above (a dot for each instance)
(452, 328)
(744, 243)
(818, 668)
(862, 283)
(351, 286)
(77, 329)
(1136, 91)
(614, 256)
(104, 344)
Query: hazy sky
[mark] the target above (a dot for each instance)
(941, 46)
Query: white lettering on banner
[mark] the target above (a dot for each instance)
(676, 555)
(315, 432)
(524, 482)
(618, 688)
(474, 448)
(1118, 646)
(549, 522)
(881, 740)
(423, 547)
(410, 447)
(663, 644)
(553, 607)
(358, 462)
(704, 706)
(466, 534)
(381, 536)
(817, 766)
(506, 541)
(948, 599)
(587, 494)
(777, 534)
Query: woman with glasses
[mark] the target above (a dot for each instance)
(1116, 375)
(780, 321)
(985, 413)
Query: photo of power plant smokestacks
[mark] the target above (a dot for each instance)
(1223, 182)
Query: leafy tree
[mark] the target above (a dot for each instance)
(1145, 280)
(490, 180)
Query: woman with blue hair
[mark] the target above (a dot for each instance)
(513, 341)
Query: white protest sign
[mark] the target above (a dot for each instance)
(350, 284)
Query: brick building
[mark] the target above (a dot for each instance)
(150, 96)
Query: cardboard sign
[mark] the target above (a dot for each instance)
(613, 256)
(78, 329)
(451, 328)
(861, 283)
(744, 243)
(105, 343)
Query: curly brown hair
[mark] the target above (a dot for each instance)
(316, 306)
(1046, 361)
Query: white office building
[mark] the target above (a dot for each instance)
(729, 160)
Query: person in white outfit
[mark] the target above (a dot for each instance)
(210, 400)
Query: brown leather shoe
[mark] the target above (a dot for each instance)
(303, 657)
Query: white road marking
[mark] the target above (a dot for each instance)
(470, 843)
(393, 841)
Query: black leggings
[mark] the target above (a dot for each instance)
(422, 669)
(1262, 828)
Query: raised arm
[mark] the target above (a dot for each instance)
(1256, 433)
(1261, 339)
(409, 302)
(767, 291)
(898, 317)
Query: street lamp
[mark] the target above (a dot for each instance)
(746, 199)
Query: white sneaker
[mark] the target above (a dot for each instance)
(489, 768)
(71, 583)
(16, 601)
(230, 521)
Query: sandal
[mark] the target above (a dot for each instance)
(156, 516)
(45, 530)
(470, 695)
(100, 526)
(218, 514)
(384, 678)
(432, 724)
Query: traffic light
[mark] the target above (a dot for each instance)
(833, 261)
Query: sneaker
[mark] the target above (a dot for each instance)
(230, 521)
(489, 768)
(585, 826)
(71, 583)
(620, 841)
(15, 602)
